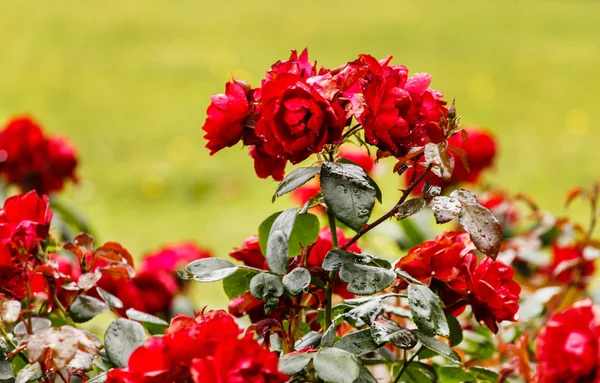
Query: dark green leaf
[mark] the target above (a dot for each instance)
(334, 365)
(329, 335)
(438, 346)
(454, 374)
(410, 207)
(305, 232)
(445, 209)
(359, 342)
(278, 252)
(389, 331)
(295, 179)
(378, 193)
(264, 286)
(335, 258)
(366, 280)
(365, 376)
(210, 269)
(483, 374)
(456, 332)
(85, 308)
(153, 324)
(431, 191)
(6, 370)
(238, 283)
(313, 338)
(418, 372)
(296, 281)
(426, 309)
(110, 299)
(366, 312)
(293, 363)
(122, 337)
(348, 193)
(483, 227)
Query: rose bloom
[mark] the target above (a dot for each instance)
(480, 150)
(439, 262)
(205, 349)
(34, 161)
(568, 347)
(250, 254)
(227, 114)
(493, 295)
(296, 121)
(572, 253)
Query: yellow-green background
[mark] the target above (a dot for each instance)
(129, 82)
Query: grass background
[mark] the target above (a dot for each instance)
(129, 82)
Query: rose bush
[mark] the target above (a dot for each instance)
(336, 288)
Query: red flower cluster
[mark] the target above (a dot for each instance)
(251, 255)
(479, 150)
(298, 110)
(568, 264)
(24, 224)
(205, 349)
(154, 286)
(568, 347)
(448, 265)
(33, 161)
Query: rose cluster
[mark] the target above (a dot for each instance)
(32, 160)
(205, 349)
(448, 265)
(300, 109)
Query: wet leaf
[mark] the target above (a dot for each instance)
(439, 347)
(210, 269)
(295, 179)
(366, 280)
(334, 365)
(445, 209)
(483, 228)
(426, 309)
(410, 207)
(122, 337)
(110, 299)
(295, 362)
(296, 281)
(264, 286)
(238, 283)
(443, 161)
(153, 324)
(85, 308)
(358, 343)
(389, 331)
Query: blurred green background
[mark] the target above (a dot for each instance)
(129, 82)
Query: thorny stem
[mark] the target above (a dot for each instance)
(351, 131)
(329, 286)
(406, 363)
(390, 213)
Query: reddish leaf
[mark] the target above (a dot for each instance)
(114, 252)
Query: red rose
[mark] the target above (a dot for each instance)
(295, 120)
(25, 220)
(227, 116)
(440, 261)
(171, 257)
(573, 256)
(402, 113)
(266, 165)
(493, 295)
(33, 161)
(198, 349)
(567, 348)
(250, 254)
(299, 66)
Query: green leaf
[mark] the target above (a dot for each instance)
(85, 308)
(444, 162)
(210, 269)
(295, 179)
(334, 365)
(454, 374)
(264, 286)
(426, 309)
(418, 372)
(456, 332)
(366, 312)
(407, 277)
(334, 259)
(278, 252)
(484, 375)
(329, 335)
(238, 283)
(110, 299)
(439, 347)
(410, 207)
(6, 370)
(295, 362)
(153, 324)
(348, 193)
(365, 376)
(389, 331)
(297, 280)
(483, 227)
(122, 337)
(366, 280)
(378, 193)
(445, 209)
(312, 338)
(358, 343)
(305, 231)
